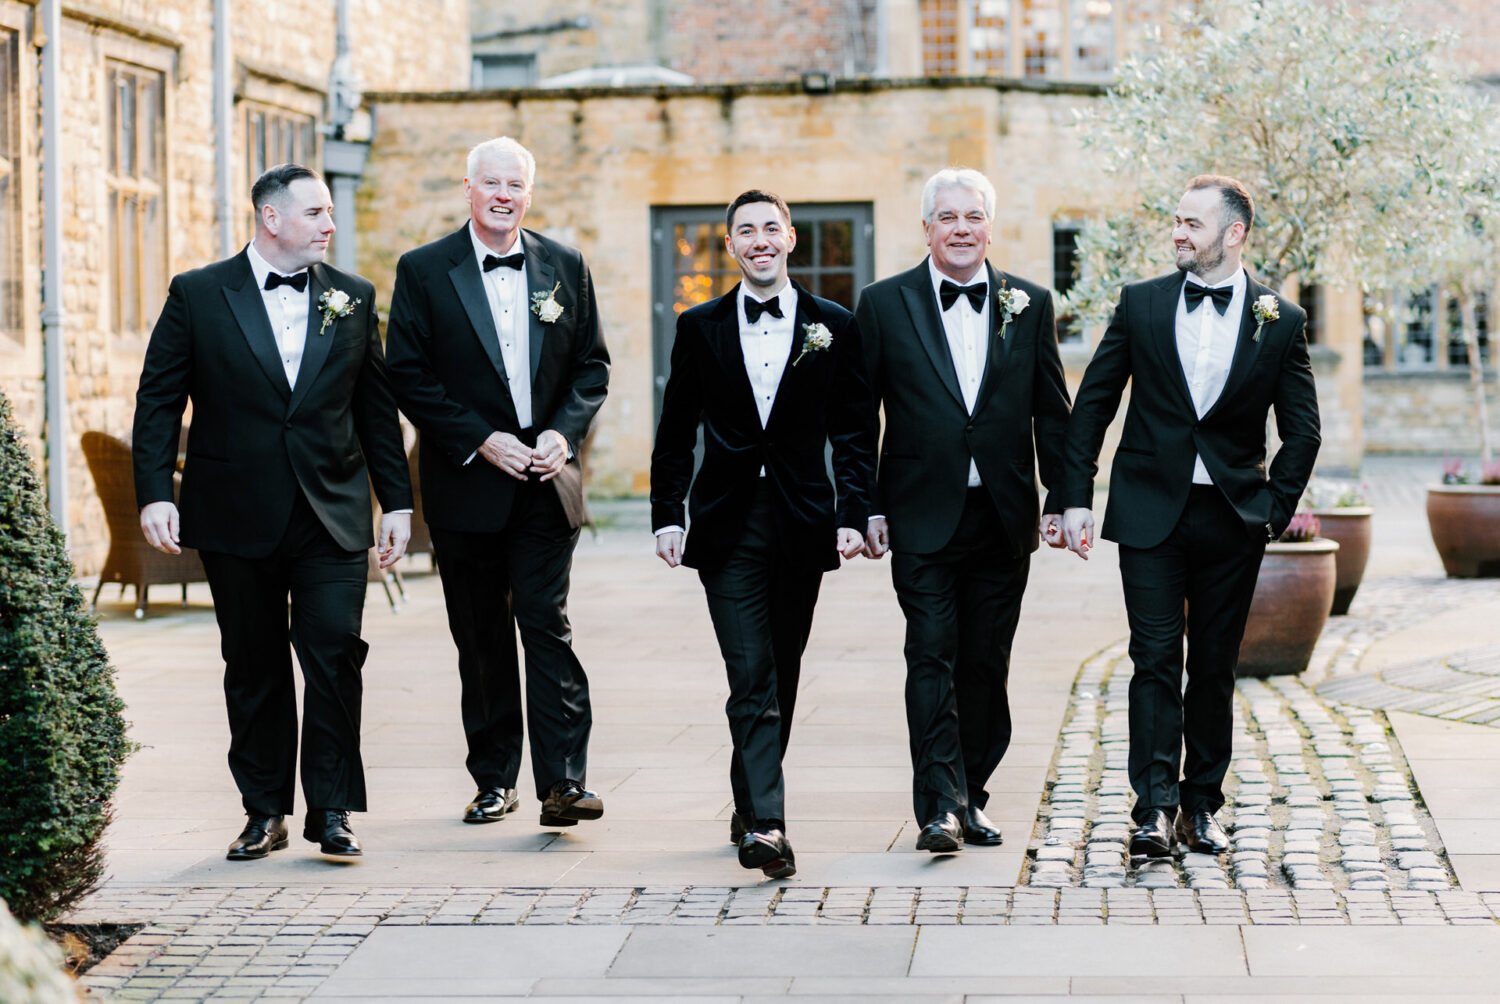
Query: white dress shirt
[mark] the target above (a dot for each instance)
(1205, 344)
(968, 334)
(505, 288)
(286, 309)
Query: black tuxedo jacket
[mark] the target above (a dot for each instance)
(254, 442)
(1153, 466)
(1017, 425)
(822, 399)
(444, 354)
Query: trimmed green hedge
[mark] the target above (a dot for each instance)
(62, 738)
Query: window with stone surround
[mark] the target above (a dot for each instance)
(12, 313)
(1050, 39)
(271, 136)
(940, 37)
(135, 178)
(1064, 272)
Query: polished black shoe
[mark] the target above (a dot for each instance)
(941, 835)
(261, 836)
(768, 850)
(1200, 832)
(979, 830)
(491, 804)
(1153, 838)
(329, 829)
(738, 826)
(567, 802)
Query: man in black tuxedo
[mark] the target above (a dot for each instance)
(1208, 353)
(497, 357)
(774, 375)
(293, 420)
(964, 358)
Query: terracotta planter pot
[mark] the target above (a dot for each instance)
(1349, 526)
(1465, 525)
(1293, 595)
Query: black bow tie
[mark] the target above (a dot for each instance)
(1221, 295)
(515, 261)
(297, 282)
(754, 308)
(949, 292)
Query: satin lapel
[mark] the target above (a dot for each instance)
(540, 278)
(806, 313)
(1163, 320)
(315, 346)
(470, 288)
(921, 304)
(722, 333)
(249, 312)
(997, 358)
(1246, 348)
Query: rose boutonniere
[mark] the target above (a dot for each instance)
(333, 304)
(815, 338)
(1265, 309)
(1012, 302)
(545, 305)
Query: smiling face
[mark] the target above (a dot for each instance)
(958, 234)
(296, 225)
(498, 195)
(1203, 245)
(759, 241)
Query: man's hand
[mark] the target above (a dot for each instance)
(159, 524)
(669, 548)
(1051, 530)
(851, 542)
(877, 539)
(507, 453)
(550, 454)
(395, 533)
(1078, 530)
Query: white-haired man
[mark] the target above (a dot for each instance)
(497, 357)
(964, 358)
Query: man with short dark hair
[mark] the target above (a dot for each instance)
(774, 375)
(293, 420)
(1208, 352)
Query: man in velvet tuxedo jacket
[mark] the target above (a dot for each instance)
(1208, 353)
(293, 420)
(498, 359)
(964, 358)
(774, 375)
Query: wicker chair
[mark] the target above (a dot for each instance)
(131, 561)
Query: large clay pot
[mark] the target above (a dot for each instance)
(1293, 595)
(1465, 525)
(1350, 527)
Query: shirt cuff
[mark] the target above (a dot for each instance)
(669, 529)
(874, 518)
(398, 512)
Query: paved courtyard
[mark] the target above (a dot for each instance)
(1364, 809)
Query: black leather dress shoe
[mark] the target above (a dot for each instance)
(261, 836)
(738, 826)
(567, 802)
(768, 850)
(979, 830)
(941, 835)
(329, 829)
(1201, 832)
(491, 804)
(1153, 838)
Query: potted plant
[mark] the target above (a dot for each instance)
(1464, 518)
(1343, 515)
(1293, 595)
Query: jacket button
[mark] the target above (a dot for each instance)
(968, 428)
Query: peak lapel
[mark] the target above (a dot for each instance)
(793, 374)
(314, 345)
(469, 286)
(722, 332)
(921, 305)
(249, 312)
(997, 358)
(1246, 347)
(1163, 320)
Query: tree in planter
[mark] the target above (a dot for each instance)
(1324, 116)
(62, 738)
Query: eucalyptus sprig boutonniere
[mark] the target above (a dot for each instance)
(815, 338)
(1012, 302)
(1265, 309)
(545, 305)
(333, 304)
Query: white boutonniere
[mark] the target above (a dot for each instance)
(1265, 309)
(545, 305)
(815, 338)
(1012, 302)
(333, 304)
